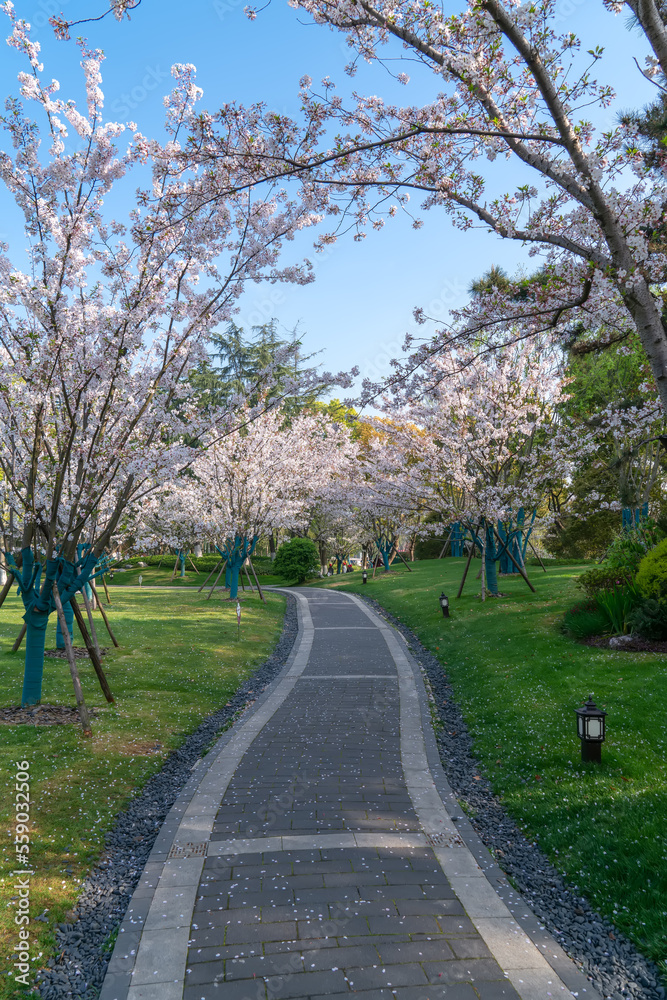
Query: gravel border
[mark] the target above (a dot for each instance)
(82, 961)
(613, 964)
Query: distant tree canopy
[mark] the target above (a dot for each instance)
(238, 362)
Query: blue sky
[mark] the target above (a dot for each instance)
(360, 307)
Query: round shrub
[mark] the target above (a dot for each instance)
(649, 619)
(297, 560)
(652, 573)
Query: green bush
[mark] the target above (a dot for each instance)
(649, 619)
(600, 578)
(652, 573)
(622, 561)
(297, 560)
(618, 604)
(629, 547)
(585, 619)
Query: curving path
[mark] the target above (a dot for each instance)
(317, 850)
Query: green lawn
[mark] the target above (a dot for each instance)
(518, 681)
(179, 661)
(154, 576)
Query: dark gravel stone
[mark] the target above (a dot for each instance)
(79, 970)
(617, 969)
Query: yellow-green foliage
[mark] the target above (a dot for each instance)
(652, 573)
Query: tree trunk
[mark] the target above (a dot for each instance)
(36, 622)
(234, 581)
(490, 556)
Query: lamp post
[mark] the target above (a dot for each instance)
(591, 730)
(444, 604)
(364, 576)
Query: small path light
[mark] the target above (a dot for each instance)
(444, 604)
(141, 579)
(364, 577)
(591, 730)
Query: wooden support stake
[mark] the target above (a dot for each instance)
(106, 620)
(19, 638)
(193, 565)
(252, 589)
(7, 587)
(94, 659)
(401, 557)
(256, 580)
(209, 577)
(537, 556)
(84, 715)
(470, 555)
(216, 580)
(519, 568)
(175, 567)
(444, 547)
(93, 630)
(483, 569)
(106, 589)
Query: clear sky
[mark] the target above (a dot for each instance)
(360, 307)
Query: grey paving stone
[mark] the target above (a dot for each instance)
(223, 951)
(475, 970)
(304, 984)
(354, 927)
(244, 990)
(462, 991)
(391, 976)
(415, 951)
(502, 989)
(243, 933)
(303, 945)
(469, 947)
(362, 995)
(435, 907)
(405, 925)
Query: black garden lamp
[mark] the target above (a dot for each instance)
(364, 576)
(591, 730)
(444, 604)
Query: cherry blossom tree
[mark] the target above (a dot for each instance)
(103, 322)
(267, 475)
(486, 448)
(508, 85)
(171, 516)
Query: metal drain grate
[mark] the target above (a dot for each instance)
(444, 840)
(189, 850)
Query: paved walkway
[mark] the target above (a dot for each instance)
(318, 851)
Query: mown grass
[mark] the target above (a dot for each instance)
(179, 661)
(518, 680)
(161, 576)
